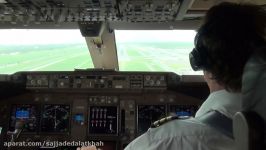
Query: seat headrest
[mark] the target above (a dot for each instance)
(254, 86)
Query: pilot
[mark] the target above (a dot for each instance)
(87, 148)
(230, 34)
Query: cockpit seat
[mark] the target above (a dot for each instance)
(249, 124)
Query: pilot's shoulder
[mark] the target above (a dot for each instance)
(174, 120)
(175, 127)
(165, 130)
(163, 121)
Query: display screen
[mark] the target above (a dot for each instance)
(147, 114)
(55, 118)
(26, 113)
(103, 120)
(183, 110)
(79, 117)
(183, 113)
(22, 114)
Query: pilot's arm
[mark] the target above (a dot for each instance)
(158, 138)
(189, 134)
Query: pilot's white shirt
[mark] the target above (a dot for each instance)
(191, 134)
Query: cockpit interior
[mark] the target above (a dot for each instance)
(97, 71)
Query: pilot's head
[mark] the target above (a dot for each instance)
(230, 34)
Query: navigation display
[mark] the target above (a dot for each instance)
(147, 114)
(55, 118)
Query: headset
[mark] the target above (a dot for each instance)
(198, 56)
(196, 60)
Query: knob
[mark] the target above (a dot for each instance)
(151, 82)
(32, 82)
(62, 83)
(148, 77)
(39, 82)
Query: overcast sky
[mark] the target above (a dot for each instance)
(155, 35)
(26, 36)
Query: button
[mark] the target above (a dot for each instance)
(36, 99)
(102, 80)
(171, 100)
(130, 106)
(151, 82)
(62, 83)
(132, 112)
(131, 131)
(115, 100)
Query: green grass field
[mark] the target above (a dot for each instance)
(155, 57)
(132, 57)
(44, 58)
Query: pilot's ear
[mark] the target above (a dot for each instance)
(207, 75)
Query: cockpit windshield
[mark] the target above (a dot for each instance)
(42, 50)
(155, 50)
(66, 50)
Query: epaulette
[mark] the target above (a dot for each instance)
(163, 121)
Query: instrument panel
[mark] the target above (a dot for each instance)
(25, 113)
(57, 12)
(103, 120)
(95, 81)
(147, 114)
(55, 118)
(108, 107)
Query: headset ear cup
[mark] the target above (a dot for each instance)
(195, 60)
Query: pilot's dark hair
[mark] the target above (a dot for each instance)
(230, 34)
